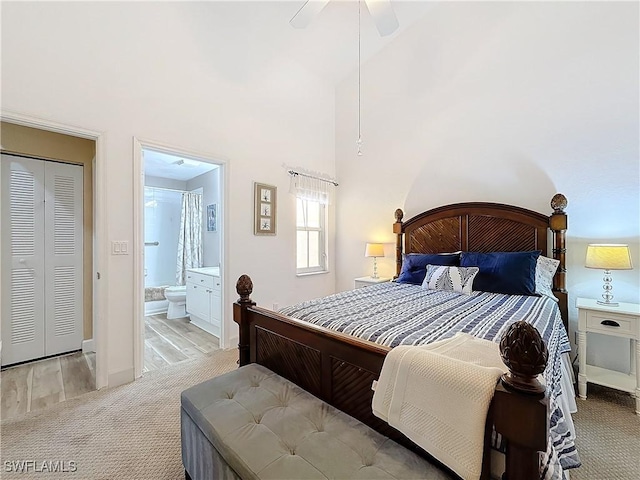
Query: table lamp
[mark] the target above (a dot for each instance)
(608, 257)
(374, 250)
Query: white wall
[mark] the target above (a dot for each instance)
(210, 184)
(188, 75)
(507, 102)
(173, 184)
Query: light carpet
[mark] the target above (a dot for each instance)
(132, 432)
(607, 436)
(126, 432)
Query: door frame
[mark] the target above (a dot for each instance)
(139, 145)
(100, 240)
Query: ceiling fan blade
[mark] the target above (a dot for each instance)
(383, 15)
(306, 13)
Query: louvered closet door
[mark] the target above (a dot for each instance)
(23, 335)
(63, 257)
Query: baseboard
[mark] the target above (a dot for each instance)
(120, 378)
(154, 307)
(88, 346)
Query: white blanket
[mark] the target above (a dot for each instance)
(438, 395)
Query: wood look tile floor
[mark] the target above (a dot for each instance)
(167, 342)
(42, 383)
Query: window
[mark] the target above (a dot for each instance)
(311, 237)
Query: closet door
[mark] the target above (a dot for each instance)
(63, 257)
(23, 335)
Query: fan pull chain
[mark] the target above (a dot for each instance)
(359, 142)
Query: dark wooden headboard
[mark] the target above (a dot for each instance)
(488, 227)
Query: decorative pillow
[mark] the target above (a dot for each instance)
(454, 279)
(545, 270)
(414, 265)
(513, 273)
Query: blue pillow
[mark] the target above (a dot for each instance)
(513, 273)
(414, 265)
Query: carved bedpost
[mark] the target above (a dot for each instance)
(558, 225)
(244, 287)
(520, 405)
(524, 353)
(397, 229)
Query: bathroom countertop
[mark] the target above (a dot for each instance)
(213, 271)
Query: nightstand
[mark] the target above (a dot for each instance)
(364, 281)
(621, 321)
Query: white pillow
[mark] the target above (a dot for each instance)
(545, 270)
(454, 279)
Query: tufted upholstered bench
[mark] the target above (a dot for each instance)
(254, 424)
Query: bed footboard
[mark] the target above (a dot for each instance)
(340, 369)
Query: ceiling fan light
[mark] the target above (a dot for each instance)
(310, 9)
(383, 16)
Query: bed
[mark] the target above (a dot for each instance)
(340, 368)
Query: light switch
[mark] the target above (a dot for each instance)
(120, 247)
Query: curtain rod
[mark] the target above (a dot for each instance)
(293, 172)
(167, 189)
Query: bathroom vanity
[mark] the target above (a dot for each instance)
(203, 298)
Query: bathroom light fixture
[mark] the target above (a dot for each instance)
(187, 162)
(374, 250)
(608, 257)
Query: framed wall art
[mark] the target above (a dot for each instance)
(212, 217)
(264, 222)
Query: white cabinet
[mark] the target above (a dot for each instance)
(204, 304)
(365, 281)
(619, 321)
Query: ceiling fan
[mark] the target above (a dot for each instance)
(381, 11)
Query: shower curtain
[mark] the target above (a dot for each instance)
(190, 236)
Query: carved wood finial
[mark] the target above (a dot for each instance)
(244, 287)
(399, 215)
(524, 353)
(559, 203)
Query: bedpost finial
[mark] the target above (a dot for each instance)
(525, 354)
(559, 203)
(399, 215)
(244, 287)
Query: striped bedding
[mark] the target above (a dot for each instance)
(395, 314)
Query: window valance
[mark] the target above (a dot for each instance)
(311, 186)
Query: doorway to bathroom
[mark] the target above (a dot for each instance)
(181, 256)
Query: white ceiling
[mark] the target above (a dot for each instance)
(247, 39)
(329, 45)
(163, 165)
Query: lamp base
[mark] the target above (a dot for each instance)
(607, 287)
(375, 268)
(608, 304)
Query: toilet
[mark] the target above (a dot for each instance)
(177, 297)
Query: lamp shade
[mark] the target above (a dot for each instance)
(608, 257)
(374, 250)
